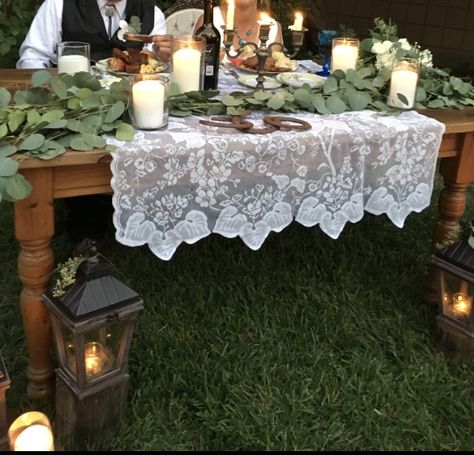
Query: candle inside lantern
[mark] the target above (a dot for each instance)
(229, 23)
(404, 82)
(94, 358)
(37, 438)
(462, 305)
(298, 24)
(345, 53)
(148, 104)
(187, 69)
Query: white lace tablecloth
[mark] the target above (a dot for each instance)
(188, 181)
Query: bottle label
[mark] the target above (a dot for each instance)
(209, 70)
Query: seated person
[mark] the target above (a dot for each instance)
(246, 16)
(90, 21)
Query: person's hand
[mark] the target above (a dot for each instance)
(162, 46)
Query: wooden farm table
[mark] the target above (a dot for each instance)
(84, 173)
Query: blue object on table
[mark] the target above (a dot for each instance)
(325, 38)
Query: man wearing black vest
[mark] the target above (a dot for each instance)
(95, 22)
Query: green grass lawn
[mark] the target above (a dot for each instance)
(308, 343)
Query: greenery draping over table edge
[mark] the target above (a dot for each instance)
(65, 111)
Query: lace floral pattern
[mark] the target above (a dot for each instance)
(184, 183)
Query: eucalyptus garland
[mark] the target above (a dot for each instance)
(58, 112)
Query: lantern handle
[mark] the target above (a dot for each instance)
(93, 252)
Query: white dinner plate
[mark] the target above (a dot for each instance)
(250, 80)
(299, 79)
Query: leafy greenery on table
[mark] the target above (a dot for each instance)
(57, 112)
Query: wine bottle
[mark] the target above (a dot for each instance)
(213, 44)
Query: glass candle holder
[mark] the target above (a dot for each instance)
(31, 432)
(73, 56)
(345, 52)
(403, 83)
(187, 63)
(148, 104)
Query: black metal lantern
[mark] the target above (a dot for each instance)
(92, 326)
(454, 265)
(4, 386)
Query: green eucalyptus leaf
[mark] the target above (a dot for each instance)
(33, 117)
(403, 98)
(40, 78)
(15, 119)
(115, 112)
(420, 94)
(254, 102)
(94, 140)
(232, 110)
(179, 113)
(52, 116)
(32, 142)
(79, 144)
(319, 104)
(335, 105)
(229, 100)
(83, 93)
(65, 140)
(18, 187)
(260, 95)
(3, 130)
(330, 86)
(359, 100)
(215, 110)
(91, 101)
(51, 149)
(59, 87)
(84, 79)
(8, 167)
(57, 125)
(303, 97)
(7, 150)
(435, 104)
(73, 125)
(106, 127)
(124, 132)
(276, 102)
(73, 104)
(379, 81)
(5, 97)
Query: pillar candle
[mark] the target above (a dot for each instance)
(187, 69)
(229, 23)
(72, 64)
(148, 104)
(344, 57)
(403, 82)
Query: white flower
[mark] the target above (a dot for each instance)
(382, 48)
(406, 46)
(426, 58)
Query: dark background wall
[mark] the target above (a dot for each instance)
(444, 26)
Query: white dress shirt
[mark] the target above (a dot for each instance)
(39, 48)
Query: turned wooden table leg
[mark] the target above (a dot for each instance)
(34, 228)
(458, 174)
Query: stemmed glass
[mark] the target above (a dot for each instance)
(325, 38)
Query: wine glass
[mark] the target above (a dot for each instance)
(325, 38)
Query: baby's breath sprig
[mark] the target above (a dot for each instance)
(66, 275)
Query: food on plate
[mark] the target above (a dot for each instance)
(134, 61)
(278, 62)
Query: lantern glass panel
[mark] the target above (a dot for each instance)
(69, 350)
(456, 297)
(102, 350)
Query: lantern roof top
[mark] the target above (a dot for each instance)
(95, 292)
(3, 371)
(460, 253)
